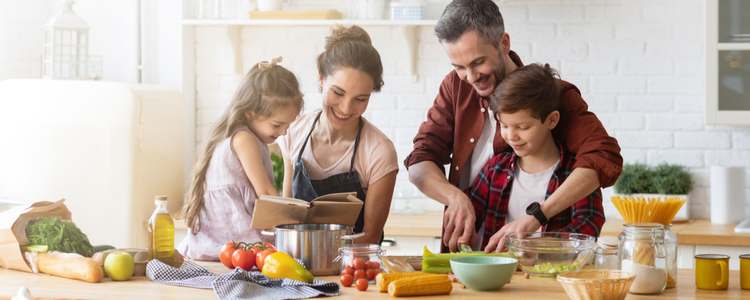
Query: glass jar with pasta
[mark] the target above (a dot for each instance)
(670, 241)
(643, 253)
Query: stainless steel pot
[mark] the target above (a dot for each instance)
(316, 245)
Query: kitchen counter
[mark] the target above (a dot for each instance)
(699, 231)
(46, 287)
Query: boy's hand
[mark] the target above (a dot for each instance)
(459, 221)
(526, 223)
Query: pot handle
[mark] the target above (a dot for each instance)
(353, 236)
(268, 232)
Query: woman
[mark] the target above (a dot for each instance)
(335, 149)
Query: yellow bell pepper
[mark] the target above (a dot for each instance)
(282, 265)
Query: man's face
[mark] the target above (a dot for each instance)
(476, 62)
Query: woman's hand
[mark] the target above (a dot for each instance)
(377, 206)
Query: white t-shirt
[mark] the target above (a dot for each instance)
(482, 153)
(376, 155)
(526, 189)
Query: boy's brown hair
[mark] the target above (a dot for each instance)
(533, 87)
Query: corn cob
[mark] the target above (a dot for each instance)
(384, 279)
(421, 286)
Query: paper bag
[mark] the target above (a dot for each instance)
(13, 230)
(337, 208)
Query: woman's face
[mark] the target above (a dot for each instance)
(346, 94)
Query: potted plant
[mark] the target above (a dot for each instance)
(664, 180)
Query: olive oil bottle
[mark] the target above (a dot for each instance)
(161, 233)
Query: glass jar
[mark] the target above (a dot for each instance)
(642, 252)
(606, 253)
(361, 260)
(670, 241)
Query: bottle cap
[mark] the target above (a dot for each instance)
(161, 197)
(608, 242)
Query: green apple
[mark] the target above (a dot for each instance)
(119, 265)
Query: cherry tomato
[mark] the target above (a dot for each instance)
(347, 280)
(370, 274)
(358, 263)
(244, 258)
(362, 284)
(359, 273)
(261, 257)
(260, 246)
(226, 254)
(347, 270)
(374, 265)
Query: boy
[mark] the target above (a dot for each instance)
(513, 184)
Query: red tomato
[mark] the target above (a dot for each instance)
(359, 273)
(374, 265)
(347, 280)
(226, 254)
(370, 274)
(347, 270)
(244, 259)
(362, 284)
(261, 257)
(358, 263)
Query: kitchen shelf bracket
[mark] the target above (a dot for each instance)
(411, 34)
(234, 32)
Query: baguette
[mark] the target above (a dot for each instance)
(70, 265)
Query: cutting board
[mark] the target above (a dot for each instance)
(296, 14)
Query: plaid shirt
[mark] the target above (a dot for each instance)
(491, 191)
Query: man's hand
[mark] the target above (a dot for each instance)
(526, 223)
(459, 221)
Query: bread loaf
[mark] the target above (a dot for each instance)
(70, 265)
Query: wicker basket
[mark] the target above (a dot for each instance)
(596, 284)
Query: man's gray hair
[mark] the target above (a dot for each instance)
(461, 16)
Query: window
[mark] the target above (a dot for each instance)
(728, 62)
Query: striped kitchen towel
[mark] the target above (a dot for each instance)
(238, 284)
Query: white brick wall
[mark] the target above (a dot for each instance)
(637, 63)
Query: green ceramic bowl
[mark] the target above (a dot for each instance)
(484, 273)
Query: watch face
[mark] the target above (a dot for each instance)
(530, 209)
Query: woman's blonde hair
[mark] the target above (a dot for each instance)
(266, 89)
(351, 47)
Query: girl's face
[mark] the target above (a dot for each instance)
(270, 128)
(346, 94)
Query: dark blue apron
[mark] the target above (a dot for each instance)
(307, 189)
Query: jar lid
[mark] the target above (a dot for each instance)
(608, 242)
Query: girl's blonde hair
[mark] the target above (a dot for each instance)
(266, 89)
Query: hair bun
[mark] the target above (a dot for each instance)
(270, 64)
(341, 34)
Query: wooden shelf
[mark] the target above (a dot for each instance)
(291, 22)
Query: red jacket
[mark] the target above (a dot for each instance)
(458, 114)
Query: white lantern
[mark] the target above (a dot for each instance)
(65, 45)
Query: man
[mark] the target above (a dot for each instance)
(461, 131)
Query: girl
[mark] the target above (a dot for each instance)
(234, 168)
(335, 149)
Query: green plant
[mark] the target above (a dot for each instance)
(278, 171)
(664, 179)
(672, 180)
(635, 178)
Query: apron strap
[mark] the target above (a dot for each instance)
(301, 150)
(356, 145)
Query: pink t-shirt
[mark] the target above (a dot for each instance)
(376, 155)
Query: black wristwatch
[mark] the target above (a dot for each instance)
(535, 210)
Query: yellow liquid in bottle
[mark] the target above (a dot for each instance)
(161, 238)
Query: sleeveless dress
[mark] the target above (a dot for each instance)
(229, 204)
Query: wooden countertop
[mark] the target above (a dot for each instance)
(50, 287)
(700, 231)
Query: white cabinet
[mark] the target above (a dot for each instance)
(686, 254)
(410, 245)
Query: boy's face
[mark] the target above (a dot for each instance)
(525, 133)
